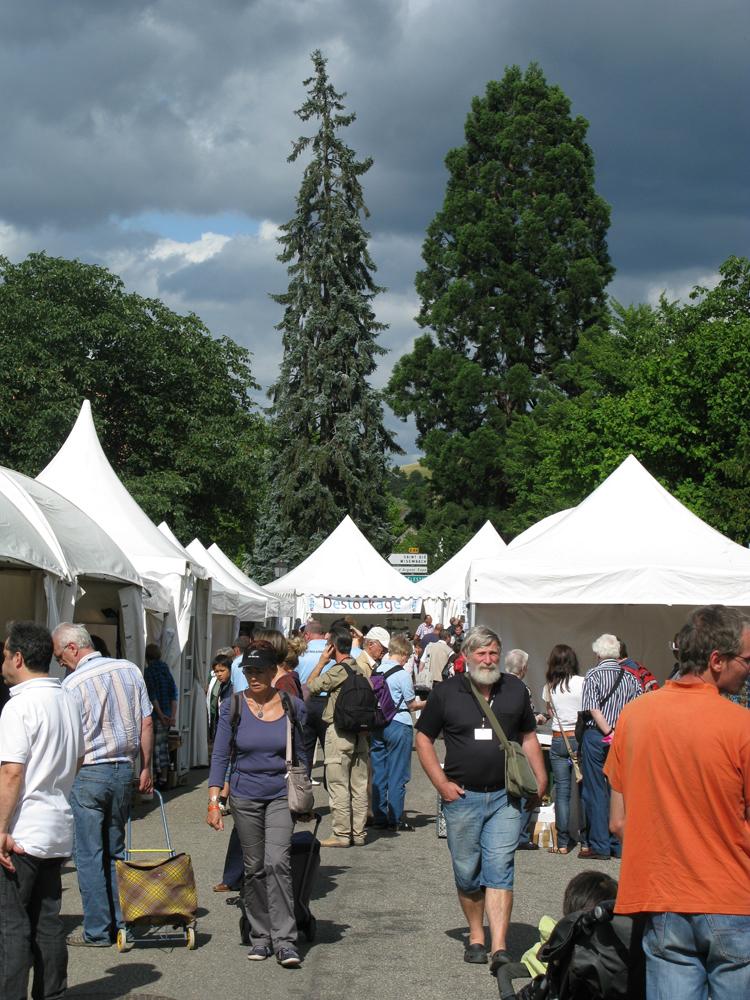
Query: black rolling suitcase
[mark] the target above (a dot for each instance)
(305, 867)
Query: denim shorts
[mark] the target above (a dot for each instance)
(483, 829)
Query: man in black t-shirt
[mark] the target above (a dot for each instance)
(482, 821)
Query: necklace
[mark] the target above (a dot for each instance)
(258, 706)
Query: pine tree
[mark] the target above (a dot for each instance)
(516, 264)
(330, 444)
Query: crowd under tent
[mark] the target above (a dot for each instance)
(629, 560)
(445, 590)
(57, 564)
(177, 596)
(345, 575)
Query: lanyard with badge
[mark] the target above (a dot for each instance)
(483, 732)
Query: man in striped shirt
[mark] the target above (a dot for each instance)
(607, 689)
(117, 726)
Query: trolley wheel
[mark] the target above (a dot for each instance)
(311, 929)
(190, 938)
(122, 940)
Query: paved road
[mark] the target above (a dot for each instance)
(389, 926)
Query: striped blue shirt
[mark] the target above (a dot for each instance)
(113, 700)
(598, 683)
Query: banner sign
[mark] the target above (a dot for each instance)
(366, 605)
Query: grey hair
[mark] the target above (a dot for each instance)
(714, 627)
(515, 661)
(607, 647)
(78, 634)
(479, 636)
(225, 651)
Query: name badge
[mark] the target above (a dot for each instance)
(482, 734)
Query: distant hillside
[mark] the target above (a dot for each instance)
(415, 467)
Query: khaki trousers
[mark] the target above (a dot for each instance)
(346, 759)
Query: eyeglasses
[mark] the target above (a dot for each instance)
(734, 656)
(59, 656)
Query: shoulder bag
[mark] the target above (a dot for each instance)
(299, 786)
(571, 753)
(520, 780)
(585, 716)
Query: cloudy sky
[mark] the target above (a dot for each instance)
(152, 137)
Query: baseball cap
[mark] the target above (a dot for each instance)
(378, 634)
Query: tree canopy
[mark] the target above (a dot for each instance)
(171, 402)
(516, 266)
(329, 444)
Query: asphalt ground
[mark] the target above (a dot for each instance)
(388, 922)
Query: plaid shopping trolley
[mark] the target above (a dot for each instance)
(159, 893)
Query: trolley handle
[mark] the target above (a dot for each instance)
(159, 850)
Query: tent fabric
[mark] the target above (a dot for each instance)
(345, 573)
(231, 596)
(629, 542)
(27, 538)
(247, 584)
(538, 528)
(444, 590)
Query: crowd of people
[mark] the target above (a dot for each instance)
(657, 776)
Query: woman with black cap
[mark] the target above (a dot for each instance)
(259, 804)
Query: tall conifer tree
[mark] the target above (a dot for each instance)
(516, 265)
(331, 447)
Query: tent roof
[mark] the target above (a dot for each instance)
(27, 538)
(538, 528)
(450, 579)
(250, 605)
(345, 565)
(629, 542)
(87, 549)
(81, 472)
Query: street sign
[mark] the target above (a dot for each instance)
(416, 577)
(415, 559)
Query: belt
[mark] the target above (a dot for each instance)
(484, 788)
(567, 732)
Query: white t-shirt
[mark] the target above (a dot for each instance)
(567, 704)
(41, 729)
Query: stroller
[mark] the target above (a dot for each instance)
(591, 955)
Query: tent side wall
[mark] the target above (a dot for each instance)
(646, 629)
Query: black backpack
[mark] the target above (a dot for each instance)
(356, 709)
(592, 955)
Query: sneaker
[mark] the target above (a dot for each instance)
(359, 841)
(288, 957)
(334, 842)
(77, 939)
(402, 827)
(259, 953)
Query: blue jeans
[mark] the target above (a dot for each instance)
(689, 955)
(100, 801)
(390, 757)
(482, 832)
(596, 794)
(562, 771)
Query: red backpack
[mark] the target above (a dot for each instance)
(646, 679)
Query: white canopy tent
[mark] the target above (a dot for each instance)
(630, 559)
(538, 528)
(57, 563)
(274, 605)
(346, 575)
(178, 615)
(445, 589)
(232, 602)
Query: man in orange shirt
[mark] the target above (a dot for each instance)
(679, 769)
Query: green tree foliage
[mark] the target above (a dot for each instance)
(330, 446)
(170, 401)
(667, 384)
(516, 264)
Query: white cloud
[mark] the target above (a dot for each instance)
(191, 253)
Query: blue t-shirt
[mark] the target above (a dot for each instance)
(309, 660)
(259, 768)
(401, 688)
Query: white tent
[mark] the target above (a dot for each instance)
(274, 605)
(57, 562)
(346, 575)
(538, 528)
(630, 559)
(445, 589)
(232, 602)
(178, 615)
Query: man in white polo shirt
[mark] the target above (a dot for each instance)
(41, 746)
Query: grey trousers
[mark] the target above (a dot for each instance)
(265, 832)
(32, 934)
